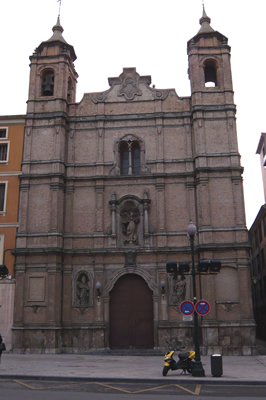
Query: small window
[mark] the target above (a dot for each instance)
(69, 90)
(124, 158)
(3, 133)
(135, 158)
(260, 233)
(48, 83)
(3, 151)
(258, 264)
(2, 196)
(256, 239)
(210, 73)
(262, 258)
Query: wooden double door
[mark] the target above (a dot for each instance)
(131, 314)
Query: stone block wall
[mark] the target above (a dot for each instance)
(7, 293)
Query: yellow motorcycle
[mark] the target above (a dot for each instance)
(185, 361)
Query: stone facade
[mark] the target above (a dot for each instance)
(108, 188)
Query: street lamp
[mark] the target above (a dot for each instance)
(198, 368)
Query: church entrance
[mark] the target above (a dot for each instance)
(131, 314)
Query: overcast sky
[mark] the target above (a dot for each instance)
(152, 36)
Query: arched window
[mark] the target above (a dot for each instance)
(210, 73)
(48, 83)
(129, 157)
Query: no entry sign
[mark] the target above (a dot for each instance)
(186, 307)
(202, 307)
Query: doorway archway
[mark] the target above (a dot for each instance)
(131, 314)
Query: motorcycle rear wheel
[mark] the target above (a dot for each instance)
(165, 370)
(190, 368)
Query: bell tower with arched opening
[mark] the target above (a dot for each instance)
(215, 149)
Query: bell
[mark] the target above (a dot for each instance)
(48, 90)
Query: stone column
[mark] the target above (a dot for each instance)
(160, 186)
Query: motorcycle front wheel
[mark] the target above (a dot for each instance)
(165, 370)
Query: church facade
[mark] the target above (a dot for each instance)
(108, 187)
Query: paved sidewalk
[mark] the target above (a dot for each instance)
(249, 369)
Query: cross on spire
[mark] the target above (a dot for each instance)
(59, 1)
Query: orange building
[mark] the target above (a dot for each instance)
(11, 147)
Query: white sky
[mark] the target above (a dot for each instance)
(152, 36)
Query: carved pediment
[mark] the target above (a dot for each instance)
(130, 82)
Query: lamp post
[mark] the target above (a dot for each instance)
(198, 368)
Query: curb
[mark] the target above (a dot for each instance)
(136, 380)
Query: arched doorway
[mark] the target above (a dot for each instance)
(131, 314)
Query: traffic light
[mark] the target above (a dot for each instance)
(215, 266)
(183, 267)
(203, 266)
(171, 267)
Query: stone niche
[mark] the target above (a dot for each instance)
(82, 289)
(130, 222)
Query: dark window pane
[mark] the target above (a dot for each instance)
(256, 239)
(3, 152)
(124, 158)
(2, 133)
(262, 258)
(260, 233)
(136, 161)
(2, 196)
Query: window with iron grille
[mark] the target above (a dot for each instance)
(3, 151)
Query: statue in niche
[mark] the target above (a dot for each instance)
(130, 220)
(179, 289)
(83, 290)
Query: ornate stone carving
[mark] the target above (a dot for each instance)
(83, 290)
(130, 258)
(129, 82)
(177, 289)
(130, 88)
(130, 217)
(82, 293)
(227, 305)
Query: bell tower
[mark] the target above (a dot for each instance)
(52, 74)
(52, 90)
(218, 174)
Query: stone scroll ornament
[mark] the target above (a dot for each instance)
(130, 88)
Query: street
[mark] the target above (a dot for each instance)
(109, 390)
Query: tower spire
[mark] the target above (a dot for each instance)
(205, 22)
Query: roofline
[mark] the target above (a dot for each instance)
(15, 119)
(262, 140)
(258, 217)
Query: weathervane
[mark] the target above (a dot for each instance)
(59, 1)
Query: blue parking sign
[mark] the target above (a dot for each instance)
(187, 307)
